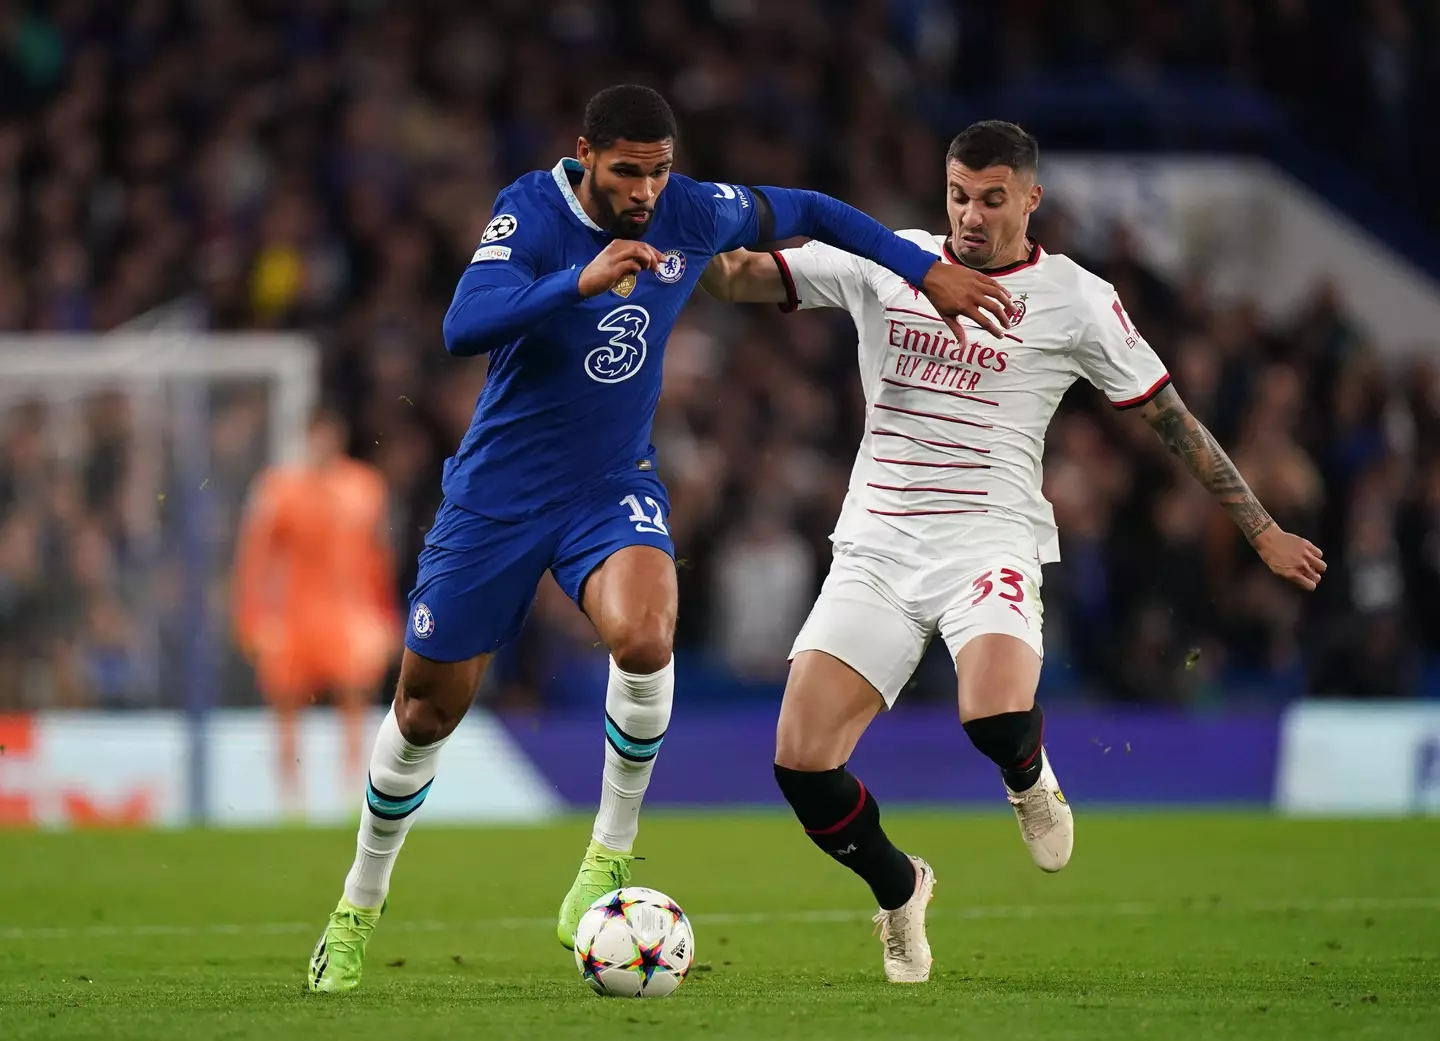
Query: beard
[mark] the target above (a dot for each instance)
(623, 227)
(619, 224)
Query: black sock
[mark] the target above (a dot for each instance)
(843, 819)
(1012, 741)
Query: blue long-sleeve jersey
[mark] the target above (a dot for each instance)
(574, 381)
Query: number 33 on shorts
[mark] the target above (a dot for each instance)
(1010, 585)
(649, 518)
(1012, 581)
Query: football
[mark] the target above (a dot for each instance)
(634, 943)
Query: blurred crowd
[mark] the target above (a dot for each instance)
(327, 166)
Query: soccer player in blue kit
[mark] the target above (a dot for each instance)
(573, 290)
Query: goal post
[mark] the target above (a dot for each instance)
(125, 463)
(60, 365)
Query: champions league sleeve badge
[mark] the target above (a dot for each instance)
(502, 227)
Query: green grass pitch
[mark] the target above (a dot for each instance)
(1166, 926)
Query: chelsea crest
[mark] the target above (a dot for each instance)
(672, 267)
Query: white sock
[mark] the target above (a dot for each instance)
(637, 711)
(400, 777)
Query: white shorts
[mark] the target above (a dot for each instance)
(878, 616)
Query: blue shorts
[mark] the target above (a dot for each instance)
(478, 576)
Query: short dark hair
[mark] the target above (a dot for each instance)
(627, 112)
(994, 142)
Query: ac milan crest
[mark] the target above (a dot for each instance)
(1017, 309)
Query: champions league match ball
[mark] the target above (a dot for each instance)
(634, 943)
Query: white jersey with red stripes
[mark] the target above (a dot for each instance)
(950, 464)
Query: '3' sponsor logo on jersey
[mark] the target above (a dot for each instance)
(623, 356)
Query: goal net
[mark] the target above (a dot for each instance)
(125, 461)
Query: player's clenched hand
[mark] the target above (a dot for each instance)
(1291, 557)
(622, 257)
(955, 289)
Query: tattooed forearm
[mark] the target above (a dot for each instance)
(1189, 441)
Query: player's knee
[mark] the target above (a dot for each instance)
(1008, 739)
(421, 722)
(806, 751)
(645, 646)
(423, 712)
(978, 700)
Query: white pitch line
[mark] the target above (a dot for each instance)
(1339, 905)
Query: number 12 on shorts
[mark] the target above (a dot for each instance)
(654, 525)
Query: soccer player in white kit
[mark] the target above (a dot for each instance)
(944, 528)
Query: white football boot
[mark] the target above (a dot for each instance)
(1045, 819)
(902, 931)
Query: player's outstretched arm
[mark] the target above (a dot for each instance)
(953, 288)
(1289, 556)
(743, 276)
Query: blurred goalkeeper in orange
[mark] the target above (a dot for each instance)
(315, 604)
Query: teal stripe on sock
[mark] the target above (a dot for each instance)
(391, 807)
(629, 747)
